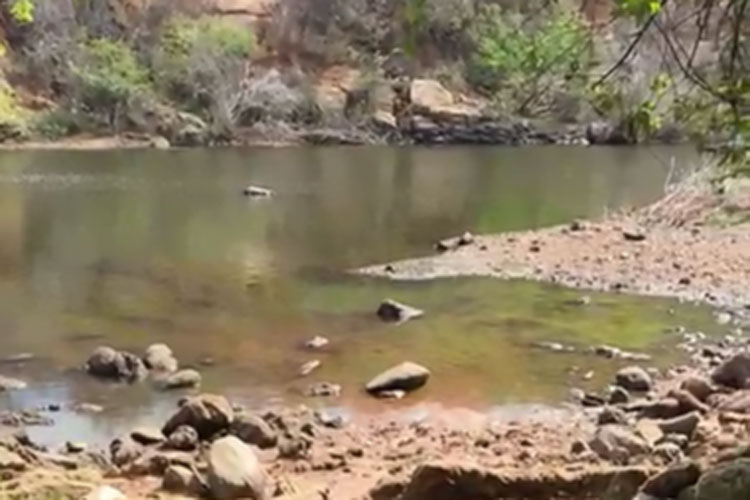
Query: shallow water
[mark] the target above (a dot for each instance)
(130, 248)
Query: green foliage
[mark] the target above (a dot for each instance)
(109, 73)
(183, 37)
(641, 10)
(528, 59)
(415, 20)
(22, 11)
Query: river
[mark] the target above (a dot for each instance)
(127, 248)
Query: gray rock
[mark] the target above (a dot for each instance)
(612, 415)
(670, 482)
(257, 192)
(106, 362)
(184, 438)
(183, 379)
(124, 451)
(253, 430)
(407, 376)
(662, 408)
(390, 310)
(180, 479)
(734, 372)
(618, 395)
(730, 481)
(147, 436)
(234, 471)
(206, 413)
(11, 384)
(684, 424)
(668, 453)
(617, 443)
(698, 387)
(633, 378)
(159, 358)
(738, 402)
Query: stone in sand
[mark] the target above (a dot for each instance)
(253, 430)
(234, 471)
(206, 413)
(407, 376)
(633, 378)
(390, 310)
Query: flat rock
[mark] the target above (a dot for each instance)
(147, 436)
(684, 424)
(206, 413)
(234, 471)
(407, 376)
(257, 192)
(183, 379)
(390, 310)
(253, 430)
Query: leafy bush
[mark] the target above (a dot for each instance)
(524, 60)
(202, 63)
(109, 73)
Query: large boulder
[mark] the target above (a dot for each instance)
(234, 471)
(407, 376)
(159, 358)
(109, 363)
(729, 481)
(618, 443)
(254, 430)
(671, 481)
(206, 413)
(430, 98)
(733, 372)
(633, 378)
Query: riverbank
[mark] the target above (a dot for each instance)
(693, 245)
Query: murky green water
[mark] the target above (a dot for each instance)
(129, 248)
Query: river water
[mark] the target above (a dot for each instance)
(127, 248)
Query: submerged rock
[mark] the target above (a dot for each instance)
(257, 192)
(206, 413)
(407, 376)
(234, 471)
(390, 310)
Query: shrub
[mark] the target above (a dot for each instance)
(109, 73)
(524, 59)
(202, 63)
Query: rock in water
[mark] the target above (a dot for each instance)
(257, 192)
(670, 482)
(253, 430)
(106, 362)
(308, 367)
(183, 379)
(407, 376)
(633, 378)
(206, 413)
(390, 310)
(159, 358)
(234, 471)
(730, 481)
(316, 342)
(734, 372)
(106, 493)
(11, 384)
